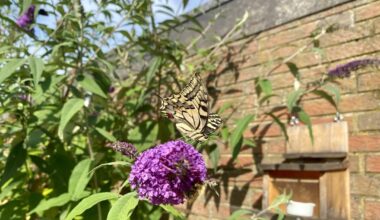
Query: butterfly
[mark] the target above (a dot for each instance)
(189, 111)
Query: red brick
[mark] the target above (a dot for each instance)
(373, 163)
(364, 143)
(365, 185)
(356, 207)
(237, 195)
(354, 163)
(242, 161)
(196, 217)
(274, 147)
(367, 11)
(200, 208)
(335, 53)
(263, 130)
(348, 103)
(369, 81)
(245, 150)
(345, 35)
(289, 35)
(241, 177)
(223, 211)
(369, 121)
(372, 210)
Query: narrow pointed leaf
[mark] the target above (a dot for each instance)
(280, 124)
(335, 91)
(70, 108)
(45, 205)
(173, 211)
(106, 134)
(79, 179)
(153, 69)
(89, 84)
(304, 117)
(326, 96)
(15, 160)
(9, 68)
(266, 86)
(293, 98)
(36, 67)
(237, 215)
(90, 202)
(236, 138)
(122, 209)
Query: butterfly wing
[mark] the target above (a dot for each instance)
(189, 111)
(213, 123)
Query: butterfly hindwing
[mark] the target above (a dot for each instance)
(189, 111)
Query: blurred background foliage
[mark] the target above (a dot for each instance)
(84, 78)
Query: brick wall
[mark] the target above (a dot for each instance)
(252, 56)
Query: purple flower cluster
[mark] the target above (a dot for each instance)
(168, 172)
(127, 149)
(345, 70)
(27, 18)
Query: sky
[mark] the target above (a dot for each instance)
(90, 5)
(177, 6)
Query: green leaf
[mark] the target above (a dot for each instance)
(266, 98)
(237, 134)
(334, 90)
(153, 69)
(123, 207)
(106, 134)
(280, 124)
(36, 67)
(50, 203)
(292, 99)
(184, 3)
(89, 202)
(304, 117)
(15, 160)
(9, 68)
(79, 179)
(214, 154)
(70, 108)
(224, 133)
(25, 5)
(7, 190)
(224, 107)
(124, 163)
(294, 70)
(173, 211)
(326, 96)
(237, 215)
(248, 142)
(5, 49)
(88, 83)
(266, 86)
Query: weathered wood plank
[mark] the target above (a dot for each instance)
(328, 138)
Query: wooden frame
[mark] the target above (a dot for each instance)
(313, 173)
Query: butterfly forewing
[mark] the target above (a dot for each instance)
(189, 111)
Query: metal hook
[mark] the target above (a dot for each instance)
(338, 117)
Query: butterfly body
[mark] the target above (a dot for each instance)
(189, 111)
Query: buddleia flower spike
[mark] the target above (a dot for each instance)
(127, 149)
(168, 173)
(345, 70)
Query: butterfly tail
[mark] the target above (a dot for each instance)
(213, 123)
